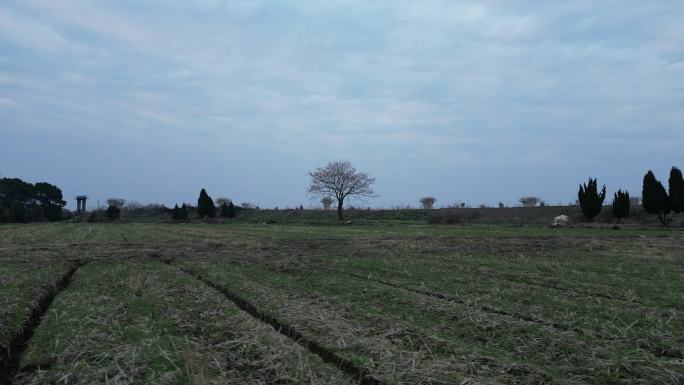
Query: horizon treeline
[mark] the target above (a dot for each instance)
(22, 201)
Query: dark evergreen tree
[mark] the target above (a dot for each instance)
(19, 213)
(590, 199)
(655, 199)
(201, 204)
(676, 190)
(224, 211)
(39, 202)
(205, 205)
(211, 209)
(176, 213)
(50, 199)
(113, 213)
(621, 205)
(231, 210)
(183, 213)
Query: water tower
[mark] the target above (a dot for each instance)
(81, 203)
(221, 201)
(529, 201)
(116, 202)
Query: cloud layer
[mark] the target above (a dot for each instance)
(482, 103)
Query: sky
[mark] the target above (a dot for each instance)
(477, 102)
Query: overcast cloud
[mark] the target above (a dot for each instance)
(467, 101)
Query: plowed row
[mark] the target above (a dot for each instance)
(202, 304)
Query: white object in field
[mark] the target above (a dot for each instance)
(561, 220)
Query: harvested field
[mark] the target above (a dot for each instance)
(322, 304)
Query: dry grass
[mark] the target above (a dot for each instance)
(112, 326)
(422, 305)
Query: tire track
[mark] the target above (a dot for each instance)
(668, 353)
(444, 297)
(362, 375)
(10, 358)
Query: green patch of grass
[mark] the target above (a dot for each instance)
(414, 303)
(143, 322)
(21, 285)
(387, 322)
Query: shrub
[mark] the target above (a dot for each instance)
(655, 199)
(621, 204)
(232, 212)
(590, 200)
(113, 213)
(183, 213)
(228, 211)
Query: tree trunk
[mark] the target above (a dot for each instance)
(340, 202)
(663, 218)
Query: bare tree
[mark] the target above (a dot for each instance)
(340, 180)
(427, 202)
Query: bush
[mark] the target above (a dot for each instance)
(621, 204)
(183, 213)
(590, 200)
(655, 199)
(228, 211)
(113, 213)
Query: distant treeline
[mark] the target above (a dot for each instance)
(655, 198)
(25, 202)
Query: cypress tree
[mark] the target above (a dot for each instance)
(676, 190)
(211, 208)
(176, 213)
(655, 199)
(183, 212)
(590, 199)
(231, 210)
(205, 205)
(201, 204)
(621, 205)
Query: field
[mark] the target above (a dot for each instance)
(384, 303)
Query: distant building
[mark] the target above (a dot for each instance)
(221, 201)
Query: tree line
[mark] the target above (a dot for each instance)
(21, 201)
(655, 198)
(205, 209)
